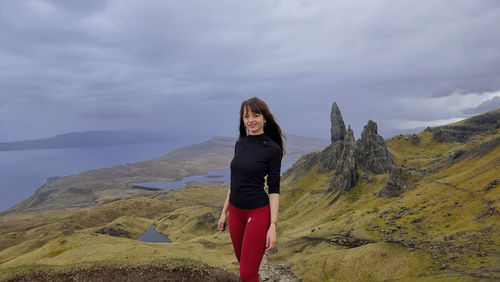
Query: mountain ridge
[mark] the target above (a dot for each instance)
(90, 138)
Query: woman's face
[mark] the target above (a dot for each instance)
(253, 121)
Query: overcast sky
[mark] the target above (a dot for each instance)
(186, 66)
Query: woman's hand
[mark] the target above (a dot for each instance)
(222, 225)
(271, 237)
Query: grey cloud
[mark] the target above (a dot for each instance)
(105, 114)
(126, 63)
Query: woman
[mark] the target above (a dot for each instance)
(252, 212)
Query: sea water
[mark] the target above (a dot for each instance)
(22, 172)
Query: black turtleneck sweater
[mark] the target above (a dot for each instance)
(255, 156)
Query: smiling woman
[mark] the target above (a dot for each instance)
(254, 122)
(252, 212)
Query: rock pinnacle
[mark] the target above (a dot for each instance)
(338, 130)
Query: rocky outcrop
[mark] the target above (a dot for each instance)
(208, 220)
(462, 131)
(398, 181)
(276, 272)
(415, 139)
(337, 130)
(328, 158)
(112, 231)
(346, 173)
(344, 156)
(339, 155)
(338, 239)
(492, 184)
(371, 151)
(474, 150)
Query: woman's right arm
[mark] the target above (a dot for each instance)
(223, 216)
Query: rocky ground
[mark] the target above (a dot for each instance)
(446, 252)
(276, 272)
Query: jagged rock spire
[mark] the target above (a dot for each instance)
(346, 173)
(338, 130)
(371, 151)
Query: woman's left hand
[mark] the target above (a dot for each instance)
(271, 237)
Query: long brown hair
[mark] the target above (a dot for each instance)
(271, 128)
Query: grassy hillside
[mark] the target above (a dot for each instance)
(71, 238)
(446, 226)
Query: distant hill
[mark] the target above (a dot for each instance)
(297, 145)
(90, 138)
(463, 130)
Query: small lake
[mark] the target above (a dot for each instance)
(153, 236)
(222, 176)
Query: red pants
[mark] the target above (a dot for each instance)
(248, 229)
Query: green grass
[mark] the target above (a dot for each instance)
(450, 201)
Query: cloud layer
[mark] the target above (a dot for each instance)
(186, 67)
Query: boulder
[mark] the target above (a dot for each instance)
(415, 139)
(398, 181)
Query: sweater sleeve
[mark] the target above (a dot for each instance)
(274, 171)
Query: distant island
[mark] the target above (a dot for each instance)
(91, 138)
